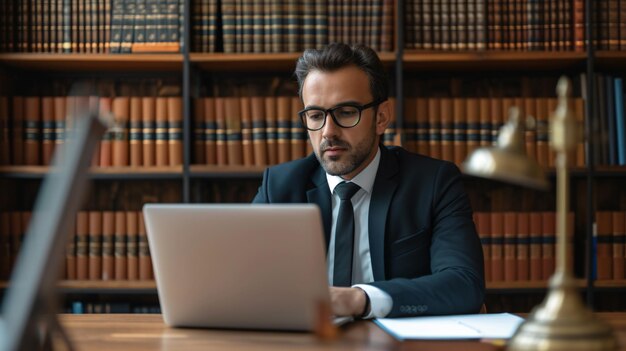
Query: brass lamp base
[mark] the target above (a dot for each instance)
(562, 322)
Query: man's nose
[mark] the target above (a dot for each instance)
(330, 128)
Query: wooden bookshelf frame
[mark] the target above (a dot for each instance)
(93, 62)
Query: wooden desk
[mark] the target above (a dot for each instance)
(147, 332)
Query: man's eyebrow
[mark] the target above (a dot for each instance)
(343, 103)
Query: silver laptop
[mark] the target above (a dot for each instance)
(238, 265)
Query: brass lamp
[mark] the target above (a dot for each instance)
(561, 321)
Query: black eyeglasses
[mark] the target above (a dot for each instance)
(345, 115)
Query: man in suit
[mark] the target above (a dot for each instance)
(402, 242)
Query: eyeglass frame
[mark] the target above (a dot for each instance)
(332, 110)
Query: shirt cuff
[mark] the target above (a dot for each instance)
(380, 301)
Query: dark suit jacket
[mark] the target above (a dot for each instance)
(425, 251)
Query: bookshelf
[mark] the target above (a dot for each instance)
(191, 182)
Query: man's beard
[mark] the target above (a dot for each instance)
(352, 159)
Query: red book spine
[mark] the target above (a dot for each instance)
(298, 133)
(523, 246)
(175, 130)
(283, 130)
(604, 254)
(108, 244)
(270, 122)
(535, 246)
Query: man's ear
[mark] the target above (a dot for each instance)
(383, 117)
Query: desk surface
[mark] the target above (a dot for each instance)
(147, 332)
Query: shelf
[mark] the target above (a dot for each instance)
(611, 60)
(38, 172)
(525, 286)
(617, 284)
(211, 171)
(493, 61)
(286, 62)
(103, 287)
(93, 62)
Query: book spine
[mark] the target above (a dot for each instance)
(472, 135)
(387, 36)
(620, 127)
(229, 25)
(246, 131)
(522, 259)
(119, 143)
(604, 247)
(259, 135)
(422, 126)
(233, 131)
(95, 245)
(483, 226)
(120, 258)
(410, 123)
(5, 132)
(161, 133)
(94, 102)
(210, 126)
(510, 246)
(148, 131)
(82, 245)
(117, 23)
(535, 246)
(145, 262)
(135, 132)
(199, 154)
(221, 153)
(272, 135)
(175, 130)
(434, 120)
(32, 130)
(17, 143)
(298, 134)
(548, 223)
(459, 127)
(283, 128)
(106, 142)
(108, 245)
(47, 129)
(70, 253)
(132, 245)
(619, 231)
(447, 129)
(497, 247)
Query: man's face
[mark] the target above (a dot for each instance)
(344, 151)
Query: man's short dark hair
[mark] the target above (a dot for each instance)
(336, 56)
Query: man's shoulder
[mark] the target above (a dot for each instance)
(411, 160)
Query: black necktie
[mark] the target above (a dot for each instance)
(344, 235)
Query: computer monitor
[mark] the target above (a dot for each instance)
(29, 303)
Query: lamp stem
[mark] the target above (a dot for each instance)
(563, 266)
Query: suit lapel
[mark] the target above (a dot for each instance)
(320, 195)
(382, 193)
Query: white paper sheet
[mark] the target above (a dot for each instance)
(469, 326)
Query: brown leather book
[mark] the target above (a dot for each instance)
(232, 117)
(619, 232)
(209, 131)
(135, 136)
(434, 121)
(59, 120)
(391, 136)
(121, 261)
(148, 131)
(472, 133)
(579, 111)
(484, 117)
(161, 132)
(447, 129)
(119, 142)
(386, 43)
(106, 146)
(32, 130)
(132, 245)
(483, 226)
(199, 153)
(175, 130)
(82, 245)
(604, 246)
(246, 131)
(298, 133)
(47, 130)
(497, 247)
(18, 131)
(579, 24)
(271, 130)
(552, 103)
(510, 246)
(498, 117)
(535, 246)
(220, 131)
(108, 245)
(5, 245)
(283, 128)
(95, 245)
(145, 263)
(5, 144)
(422, 133)
(259, 135)
(548, 224)
(523, 246)
(70, 253)
(459, 128)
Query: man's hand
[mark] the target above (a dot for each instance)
(347, 301)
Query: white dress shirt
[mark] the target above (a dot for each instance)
(380, 301)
